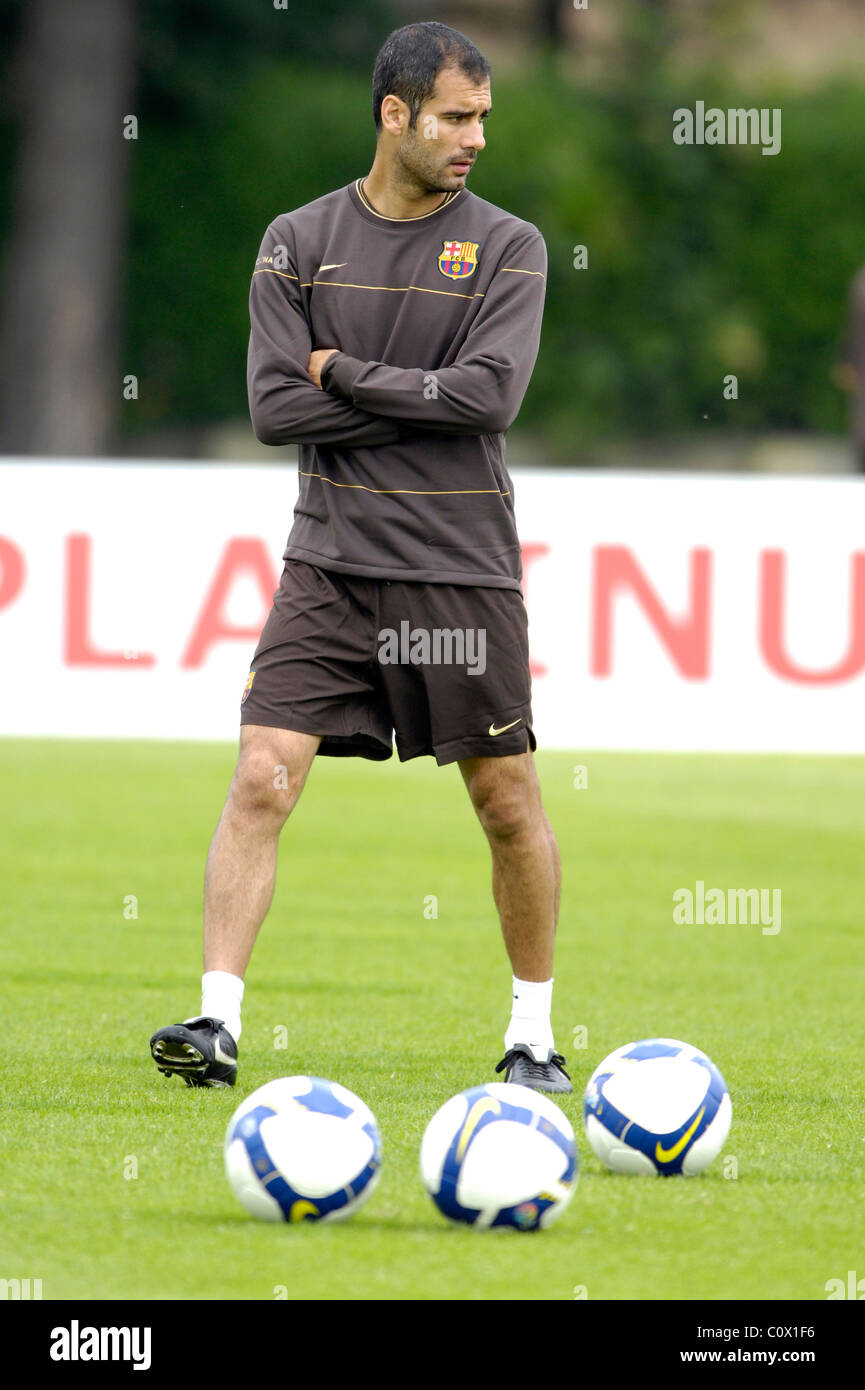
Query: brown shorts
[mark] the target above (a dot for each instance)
(445, 666)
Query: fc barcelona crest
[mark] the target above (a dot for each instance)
(459, 259)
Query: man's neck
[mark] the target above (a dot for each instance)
(391, 199)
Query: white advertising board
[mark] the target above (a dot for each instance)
(666, 611)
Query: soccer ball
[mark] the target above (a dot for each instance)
(658, 1106)
(302, 1149)
(500, 1155)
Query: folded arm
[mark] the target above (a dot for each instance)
(482, 391)
(285, 404)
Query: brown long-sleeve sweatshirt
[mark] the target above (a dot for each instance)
(437, 320)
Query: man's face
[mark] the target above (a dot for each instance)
(439, 152)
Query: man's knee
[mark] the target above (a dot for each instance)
(505, 799)
(270, 774)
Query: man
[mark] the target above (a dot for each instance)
(394, 327)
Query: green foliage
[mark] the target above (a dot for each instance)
(702, 261)
(198, 217)
(193, 52)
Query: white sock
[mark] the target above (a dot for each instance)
(221, 997)
(530, 1018)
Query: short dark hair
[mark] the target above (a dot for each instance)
(411, 58)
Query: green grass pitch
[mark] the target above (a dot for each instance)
(111, 1180)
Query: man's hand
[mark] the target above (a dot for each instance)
(317, 361)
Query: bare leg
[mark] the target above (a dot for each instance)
(557, 869)
(526, 867)
(241, 867)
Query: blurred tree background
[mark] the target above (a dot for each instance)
(702, 261)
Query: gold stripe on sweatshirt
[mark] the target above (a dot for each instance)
(391, 289)
(267, 270)
(413, 491)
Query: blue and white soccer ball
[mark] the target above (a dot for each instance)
(302, 1149)
(500, 1155)
(658, 1106)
